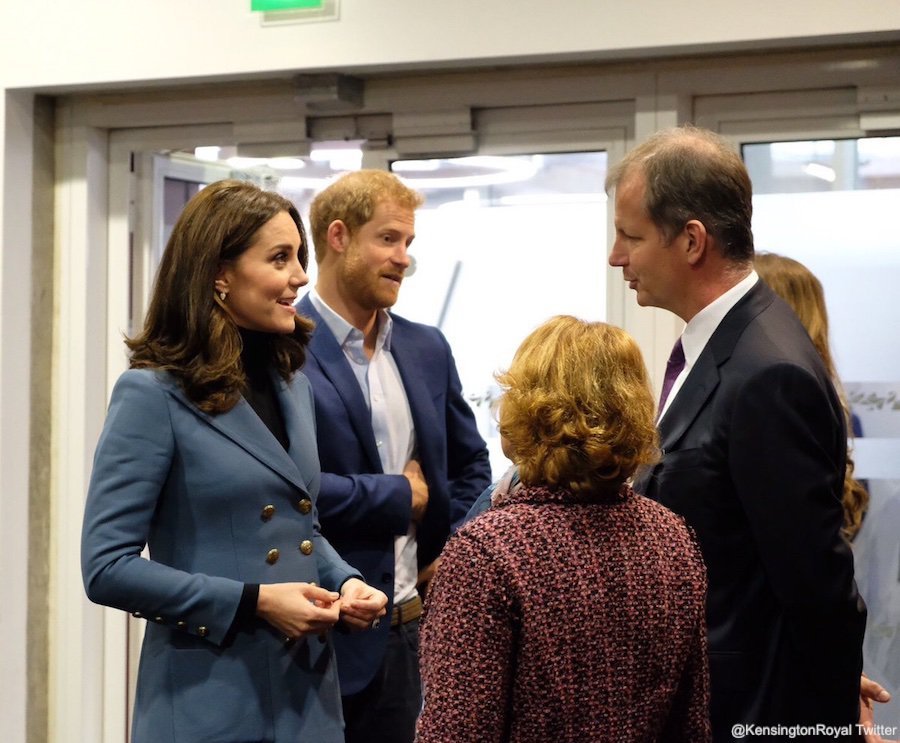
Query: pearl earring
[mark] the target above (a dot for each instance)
(223, 294)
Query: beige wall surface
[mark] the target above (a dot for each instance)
(55, 45)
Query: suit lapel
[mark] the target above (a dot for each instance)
(421, 404)
(243, 426)
(333, 364)
(689, 401)
(431, 437)
(704, 376)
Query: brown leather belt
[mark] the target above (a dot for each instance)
(407, 611)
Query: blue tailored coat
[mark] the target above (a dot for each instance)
(362, 509)
(220, 503)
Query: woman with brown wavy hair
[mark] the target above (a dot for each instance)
(208, 457)
(573, 609)
(800, 288)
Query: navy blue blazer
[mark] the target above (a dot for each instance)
(754, 454)
(212, 496)
(361, 508)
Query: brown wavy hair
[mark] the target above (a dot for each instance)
(799, 287)
(187, 330)
(577, 409)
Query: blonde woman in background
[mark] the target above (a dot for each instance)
(799, 287)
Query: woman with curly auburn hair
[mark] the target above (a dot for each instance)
(575, 410)
(208, 457)
(573, 609)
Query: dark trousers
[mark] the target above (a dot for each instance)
(386, 710)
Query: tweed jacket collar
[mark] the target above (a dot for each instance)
(541, 496)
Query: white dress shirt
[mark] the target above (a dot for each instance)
(700, 329)
(395, 436)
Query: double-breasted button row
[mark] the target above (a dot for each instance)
(306, 547)
(304, 505)
(202, 631)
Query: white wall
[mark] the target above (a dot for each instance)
(58, 44)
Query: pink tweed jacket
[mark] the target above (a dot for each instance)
(569, 619)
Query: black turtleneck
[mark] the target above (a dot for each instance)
(256, 358)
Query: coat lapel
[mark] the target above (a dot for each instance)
(243, 426)
(303, 449)
(333, 365)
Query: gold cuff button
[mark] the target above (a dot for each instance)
(267, 512)
(306, 547)
(305, 506)
(272, 556)
(202, 631)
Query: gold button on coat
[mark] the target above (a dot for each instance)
(268, 512)
(306, 547)
(272, 556)
(305, 506)
(202, 631)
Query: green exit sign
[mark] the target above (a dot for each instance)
(268, 6)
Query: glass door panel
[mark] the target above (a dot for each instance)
(502, 244)
(297, 177)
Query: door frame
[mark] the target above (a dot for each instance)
(96, 191)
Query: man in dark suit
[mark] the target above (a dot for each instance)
(753, 440)
(402, 459)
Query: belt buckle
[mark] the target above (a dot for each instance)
(406, 612)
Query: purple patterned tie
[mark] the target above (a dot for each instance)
(674, 366)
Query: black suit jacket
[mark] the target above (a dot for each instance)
(754, 455)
